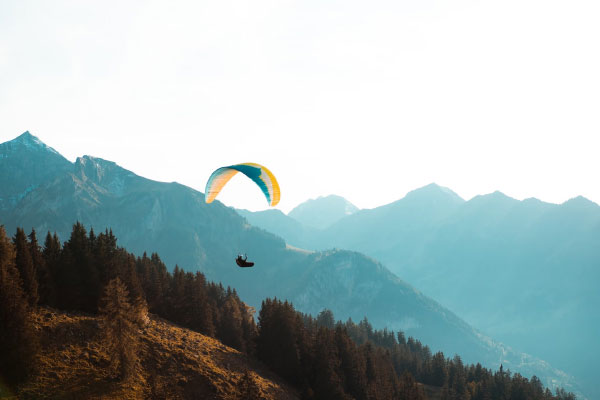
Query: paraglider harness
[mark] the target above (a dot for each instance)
(242, 262)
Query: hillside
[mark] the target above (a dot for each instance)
(175, 221)
(175, 363)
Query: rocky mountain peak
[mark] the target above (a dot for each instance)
(25, 142)
(25, 163)
(107, 174)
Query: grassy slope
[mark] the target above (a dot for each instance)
(175, 363)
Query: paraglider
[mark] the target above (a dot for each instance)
(258, 173)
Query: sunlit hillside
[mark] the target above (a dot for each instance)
(175, 363)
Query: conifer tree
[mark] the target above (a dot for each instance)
(121, 331)
(26, 268)
(279, 328)
(202, 306)
(249, 330)
(18, 342)
(409, 388)
(79, 280)
(352, 366)
(51, 258)
(325, 319)
(44, 279)
(439, 373)
(327, 383)
(230, 327)
(249, 390)
(136, 294)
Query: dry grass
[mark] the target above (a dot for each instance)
(175, 363)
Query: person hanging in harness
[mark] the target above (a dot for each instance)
(242, 261)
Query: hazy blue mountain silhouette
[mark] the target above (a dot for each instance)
(277, 222)
(323, 211)
(175, 221)
(525, 272)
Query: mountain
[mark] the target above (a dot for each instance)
(277, 222)
(175, 363)
(322, 212)
(523, 272)
(175, 221)
(25, 164)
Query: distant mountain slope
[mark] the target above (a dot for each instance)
(175, 221)
(175, 363)
(322, 212)
(524, 272)
(282, 225)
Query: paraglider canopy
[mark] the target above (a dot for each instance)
(243, 261)
(258, 173)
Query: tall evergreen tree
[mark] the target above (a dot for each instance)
(439, 373)
(26, 268)
(249, 390)
(325, 319)
(409, 388)
(78, 275)
(120, 328)
(230, 328)
(51, 257)
(18, 341)
(46, 289)
(277, 342)
(202, 307)
(351, 364)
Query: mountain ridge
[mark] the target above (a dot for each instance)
(323, 211)
(520, 270)
(175, 221)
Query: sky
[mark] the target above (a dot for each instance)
(367, 100)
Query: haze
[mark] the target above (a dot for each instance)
(367, 100)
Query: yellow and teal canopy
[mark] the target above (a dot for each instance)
(258, 173)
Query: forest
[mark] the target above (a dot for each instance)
(319, 356)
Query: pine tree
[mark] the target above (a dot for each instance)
(78, 275)
(51, 258)
(18, 342)
(325, 319)
(230, 328)
(249, 390)
(121, 331)
(279, 330)
(351, 364)
(409, 388)
(202, 307)
(26, 268)
(249, 330)
(439, 374)
(45, 280)
(136, 294)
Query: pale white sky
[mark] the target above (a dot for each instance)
(365, 99)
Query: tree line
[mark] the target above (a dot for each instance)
(322, 358)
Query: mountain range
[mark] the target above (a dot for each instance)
(41, 189)
(523, 272)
